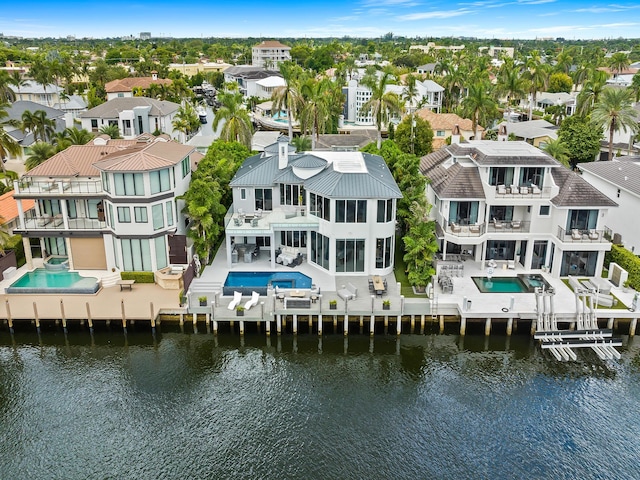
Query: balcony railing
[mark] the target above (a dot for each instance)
(523, 192)
(56, 222)
(57, 187)
(581, 235)
(500, 226)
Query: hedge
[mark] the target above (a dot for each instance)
(627, 260)
(15, 244)
(139, 277)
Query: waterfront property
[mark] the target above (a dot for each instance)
(42, 280)
(514, 204)
(108, 204)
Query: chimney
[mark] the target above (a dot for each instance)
(455, 135)
(502, 133)
(154, 75)
(283, 152)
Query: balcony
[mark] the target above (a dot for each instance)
(524, 192)
(577, 235)
(499, 226)
(55, 187)
(56, 222)
(265, 223)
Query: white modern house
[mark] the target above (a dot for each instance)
(620, 181)
(337, 210)
(512, 203)
(429, 95)
(253, 81)
(108, 204)
(133, 116)
(269, 54)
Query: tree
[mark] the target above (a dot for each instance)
(560, 82)
(581, 139)
(42, 73)
(510, 84)
(557, 150)
(186, 121)
(302, 143)
(635, 87)
(420, 245)
(79, 136)
(593, 87)
(7, 95)
(40, 152)
(112, 130)
(237, 124)
(479, 105)
(381, 104)
(8, 145)
(314, 109)
(414, 135)
(288, 95)
(618, 62)
(614, 112)
(536, 76)
(39, 125)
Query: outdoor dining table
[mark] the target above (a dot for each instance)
(378, 285)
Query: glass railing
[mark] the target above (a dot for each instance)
(57, 186)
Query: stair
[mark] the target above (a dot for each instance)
(111, 279)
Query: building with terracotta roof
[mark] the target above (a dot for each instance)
(9, 211)
(443, 124)
(269, 54)
(124, 87)
(511, 202)
(109, 204)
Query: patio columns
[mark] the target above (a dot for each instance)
(229, 248)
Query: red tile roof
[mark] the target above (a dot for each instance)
(9, 207)
(129, 83)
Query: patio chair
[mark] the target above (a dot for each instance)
(593, 235)
(237, 222)
(502, 190)
(237, 298)
(516, 224)
(497, 224)
(535, 190)
(258, 213)
(455, 228)
(575, 234)
(255, 296)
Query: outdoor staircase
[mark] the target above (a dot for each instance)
(111, 279)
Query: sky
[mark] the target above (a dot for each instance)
(506, 19)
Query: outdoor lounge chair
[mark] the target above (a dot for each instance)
(455, 228)
(502, 190)
(255, 296)
(593, 235)
(497, 224)
(237, 298)
(535, 190)
(575, 234)
(516, 224)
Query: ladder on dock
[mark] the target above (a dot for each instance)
(433, 300)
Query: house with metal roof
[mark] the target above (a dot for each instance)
(620, 181)
(270, 53)
(335, 209)
(511, 202)
(133, 116)
(108, 204)
(248, 76)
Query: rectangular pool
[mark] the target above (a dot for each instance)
(43, 281)
(246, 282)
(523, 283)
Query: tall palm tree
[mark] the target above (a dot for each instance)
(510, 83)
(40, 152)
(8, 145)
(17, 80)
(6, 92)
(614, 112)
(618, 62)
(558, 150)
(186, 120)
(288, 95)
(314, 107)
(479, 105)
(593, 87)
(635, 87)
(381, 104)
(42, 127)
(536, 74)
(41, 72)
(237, 124)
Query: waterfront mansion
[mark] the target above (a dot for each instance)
(109, 204)
(512, 203)
(336, 210)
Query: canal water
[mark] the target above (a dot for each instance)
(194, 406)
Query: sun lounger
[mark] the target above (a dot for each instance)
(237, 298)
(255, 296)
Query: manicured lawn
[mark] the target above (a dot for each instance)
(618, 305)
(401, 275)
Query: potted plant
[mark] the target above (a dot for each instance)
(333, 304)
(239, 311)
(203, 301)
(386, 304)
(181, 298)
(626, 285)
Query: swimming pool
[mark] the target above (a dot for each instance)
(56, 263)
(246, 282)
(519, 284)
(42, 281)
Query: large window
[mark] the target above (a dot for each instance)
(136, 254)
(140, 214)
(291, 194)
(501, 176)
(124, 215)
(385, 210)
(185, 166)
(129, 184)
(350, 255)
(539, 254)
(531, 176)
(351, 211)
(157, 217)
(264, 199)
(582, 219)
(319, 253)
(160, 181)
(320, 206)
(294, 239)
(105, 182)
(161, 252)
(465, 213)
(384, 250)
(501, 212)
(169, 208)
(501, 250)
(579, 263)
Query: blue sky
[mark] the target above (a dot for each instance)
(526, 19)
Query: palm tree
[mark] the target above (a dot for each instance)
(302, 143)
(614, 112)
(591, 91)
(237, 124)
(6, 92)
(8, 145)
(618, 62)
(409, 94)
(41, 72)
(43, 128)
(78, 136)
(479, 105)
(558, 150)
(112, 130)
(381, 104)
(314, 107)
(510, 83)
(635, 87)
(288, 95)
(537, 76)
(17, 80)
(40, 152)
(186, 120)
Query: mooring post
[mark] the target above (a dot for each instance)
(241, 328)
(279, 324)
(267, 324)
(345, 325)
(463, 326)
(610, 323)
(295, 324)
(9, 319)
(422, 319)
(509, 326)
(320, 324)
(152, 317)
(398, 324)
(632, 327)
(372, 325)
(487, 327)
(64, 318)
(35, 316)
(181, 319)
(215, 327)
(441, 323)
(89, 319)
(413, 323)
(124, 318)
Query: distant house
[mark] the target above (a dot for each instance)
(253, 81)
(545, 100)
(9, 215)
(443, 125)
(269, 54)
(354, 142)
(192, 69)
(33, 91)
(427, 68)
(535, 132)
(133, 116)
(124, 87)
(620, 181)
(109, 204)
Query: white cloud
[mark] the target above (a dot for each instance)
(434, 14)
